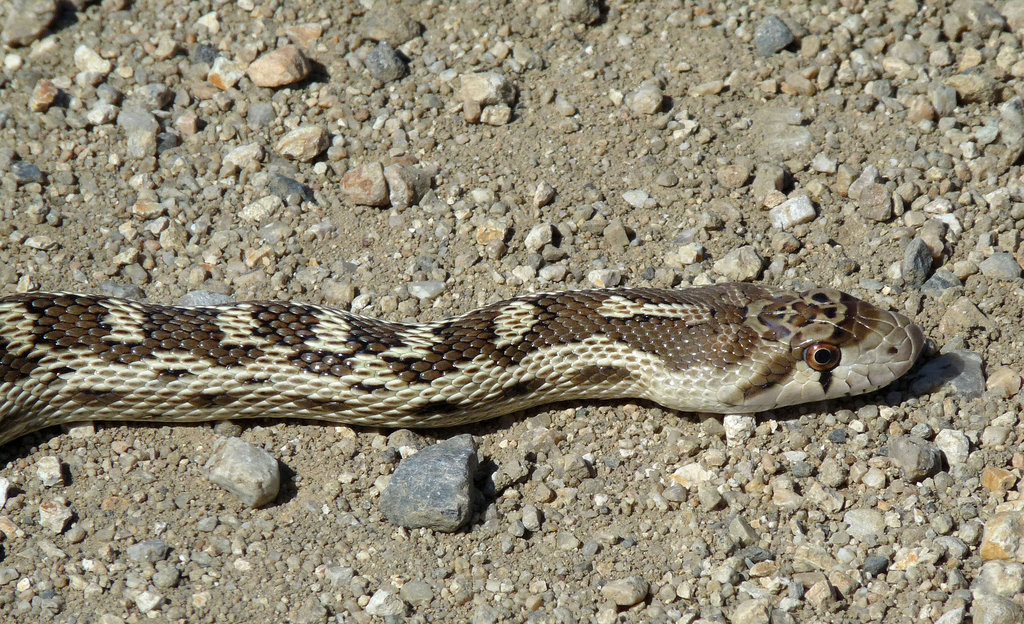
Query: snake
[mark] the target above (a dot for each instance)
(729, 348)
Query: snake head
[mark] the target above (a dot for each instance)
(823, 344)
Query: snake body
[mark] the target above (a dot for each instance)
(730, 348)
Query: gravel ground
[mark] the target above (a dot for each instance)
(153, 149)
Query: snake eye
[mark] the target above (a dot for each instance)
(822, 356)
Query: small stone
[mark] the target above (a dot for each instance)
(245, 470)
(1003, 538)
(690, 253)
(102, 113)
(1000, 578)
(149, 551)
(539, 236)
(742, 265)
(27, 20)
(385, 22)
(940, 281)
(148, 600)
(406, 184)
(980, 17)
(87, 60)
(645, 100)
(733, 176)
(303, 143)
(261, 209)
(5, 488)
(792, 212)
(943, 98)
(43, 96)
(49, 471)
(959, 371)
(875, 565)
(1000, 265)
(636, 198)
(626, 592)
(771, 35)
(54, 515)
(741, 533)
(434, 487)
(710, 87)
(738, 428)
(365, 185)
(141, 127)
(426, 290)
(246, 156)
(974, 87)
(25, 173)
(955, 445)
(917, 262)
(867, 525)
(916, 458)
(691, 476)
(417, 592)
(990, 609)
(544, 195)
(997, 479)
(384, 603)
(484, 89)
(277, 68)
(225, 74)
(580, 11)
(875, 202)
(1004, 382)
(615, 235)
(604, 278)
(385, 63)
(496, 115)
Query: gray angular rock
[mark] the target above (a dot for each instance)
(1000, 265)
(916, 457)
(245, 470)
(27, 20)
(771, 35)
(434, 487)
(917, 263)
(940, 281)
(141, 128)
(959, 371)
(385, 63)
(150, 551)
(990, 609)
(582, 11)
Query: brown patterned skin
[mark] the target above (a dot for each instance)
(727, 348)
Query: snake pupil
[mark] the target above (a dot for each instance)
(822, 357)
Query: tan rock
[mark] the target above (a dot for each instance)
(303, 143)
(43, 96)
(224, 74)
(1004, 537)
(365, 185)
(997, 479)
(280, 67)
(1004, 381)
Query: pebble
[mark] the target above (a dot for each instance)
(940, 281)
(225, 73)
(43, 96)
(792, 212)
(738, 428)
(87, 60)
(417, 592)
(406, 184)
(771, 35)
(1003, 538)
(248, 156)
(49, 471)
(484, 89)
(875, 564)
(385, 603)
(615, 235)
(247, 471)
(743, 264)
(389, 23)
(538, 236)
(997, 479)
(875, 202)
(25, 173)
(626, 592)
(303, 143)
(943, 98)
(5, 488)
(277, 68)
(261, 209)
(27, 20)
(1004, 382)
(147, 600)
(55, 514)
(916, 458)
(141, 127)
(149, 551)
(385, 63)
(365, 185)
(434, 487)
(604, 278)
(426, 290)
(959, 371)
(733, 176)
(102, 113)
(544, 195)
(955, 445)
(1000, 578)
(636, 198)
(917, 262)
(1000, 265)
(867, 525)
(580, 11)
(645, 99)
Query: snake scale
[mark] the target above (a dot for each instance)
(729, 348)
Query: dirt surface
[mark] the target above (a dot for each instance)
(150, 206)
